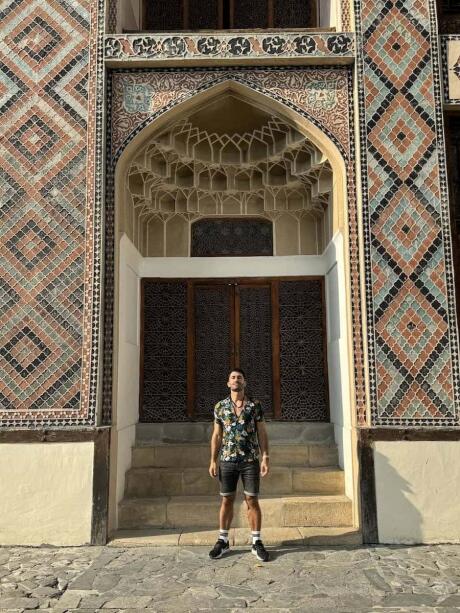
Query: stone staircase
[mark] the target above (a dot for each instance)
(171, 499)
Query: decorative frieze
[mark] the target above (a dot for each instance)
(219, 46)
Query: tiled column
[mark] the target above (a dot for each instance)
(412, 332)
(51, 113)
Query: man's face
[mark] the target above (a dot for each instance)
(236, 382)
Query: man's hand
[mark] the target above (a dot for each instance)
(213, 469)
(264, 467)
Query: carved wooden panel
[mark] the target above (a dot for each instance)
(232, 237)
(213, 342)
(293, 14)
(163, 16)
(164, 368)
(304, 393)
(255, 342)
(203, 15)
(250, 14)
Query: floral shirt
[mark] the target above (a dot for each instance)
(239, 434)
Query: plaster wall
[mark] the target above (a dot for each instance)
(126, 364)
(328, 13)
(417, 491)
(131, 11)
(337, 353)
(46, 493)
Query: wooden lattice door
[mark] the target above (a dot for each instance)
(232, 327)
(195, 331)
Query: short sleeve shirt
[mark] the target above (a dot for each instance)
(239, 434)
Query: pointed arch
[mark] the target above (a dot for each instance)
(303, 122)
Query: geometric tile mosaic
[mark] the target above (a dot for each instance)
(450, 54)
(412, 328)
(49, 111)
(51, 108)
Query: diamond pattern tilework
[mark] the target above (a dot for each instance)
(412, 329)
(50, 75)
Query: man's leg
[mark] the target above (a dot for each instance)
(228, 478)
(226, 512)
(250, 474)
(254, 513)
(251, 482)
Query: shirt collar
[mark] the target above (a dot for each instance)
(228, 401)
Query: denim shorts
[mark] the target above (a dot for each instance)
(229, 473)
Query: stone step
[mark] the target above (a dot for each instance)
(200, 432)
(148, 482)
(198, 455)
(237, 537)
(202, 511)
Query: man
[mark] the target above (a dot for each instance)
(239, 431)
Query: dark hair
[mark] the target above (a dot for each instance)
(237, 370)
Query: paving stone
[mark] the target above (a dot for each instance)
(231, 591)
(202, 592)
(409, 599)
(92, 602)
(126, 602)
(339, 579)
(451, 601)
(18, 603)
(377, 580)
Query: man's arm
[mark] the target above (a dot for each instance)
(263, 444)
(216, 442)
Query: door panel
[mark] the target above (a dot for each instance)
(163, 385)
(303, 381)
(254, 342)
(213, 316)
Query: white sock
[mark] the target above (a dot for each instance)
(255, 536)
(223, 535)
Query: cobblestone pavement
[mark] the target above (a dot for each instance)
(147, 579)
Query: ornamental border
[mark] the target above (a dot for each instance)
(375, 418)
(219, 46)
(444, 43)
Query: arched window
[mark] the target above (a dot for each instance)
(174, 15)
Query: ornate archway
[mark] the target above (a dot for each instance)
(316, 102)
(316, 106)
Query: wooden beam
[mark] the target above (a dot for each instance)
(100, 511)
(369, 526)
(411, 434)
(45, 435)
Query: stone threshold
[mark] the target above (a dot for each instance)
(238, 537)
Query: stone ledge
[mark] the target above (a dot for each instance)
(300, 536)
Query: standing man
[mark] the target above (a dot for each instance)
(239, 431)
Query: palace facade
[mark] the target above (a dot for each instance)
(189, 187)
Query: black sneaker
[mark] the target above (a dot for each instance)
(259, 550)
(219, 549)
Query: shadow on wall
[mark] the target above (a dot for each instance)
(398, 519)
